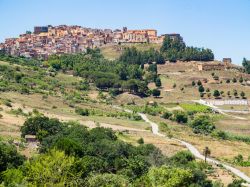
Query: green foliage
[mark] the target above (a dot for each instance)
(166, 115)
(239, 160)
(82, 112)
(140, 141)
(158, 82)
(9, 157)
(195, 108)
(19, 60)
(167, 177)
(133, 56)
(180, 116)
(34, 125)
(107, 180)
(156, 92)
(176, 50)
(236, 183)
(201, 89)
(124, 75)
(216, 93)
(202, 124)
(246, 65)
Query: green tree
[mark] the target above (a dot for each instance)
(241, 80)
(246, 65)
(180, 116)
(206, 153)
(234, 80)
(158, 82)
(201, 89)
(106, 179)
(242, 94)
(50, 169)
(156, 92)
(9, 157)
(216, 93)
(166, 176)
(202, 124)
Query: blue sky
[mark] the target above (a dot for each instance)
(222, 25)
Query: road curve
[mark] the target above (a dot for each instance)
(190, 147)
(195, 152)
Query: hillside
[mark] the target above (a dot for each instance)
(89, 89)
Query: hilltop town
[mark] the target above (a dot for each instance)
(48, 40)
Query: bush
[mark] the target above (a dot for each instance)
(140, 141)
(180, 116)
(201, 89)
(82, 112)
(202, 124)
(104, 180)
(166, 115)
(220, 134)
(216, 93)
(156, 92)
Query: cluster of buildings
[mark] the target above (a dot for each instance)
(47, 40)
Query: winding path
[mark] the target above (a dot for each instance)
(195, 152)
(191, 148)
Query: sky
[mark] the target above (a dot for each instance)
(221, 25)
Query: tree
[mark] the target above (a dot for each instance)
(206, 153)
(166, 176)
(246, 65)
(158, 82)
(234, 80)
(202, 124)
(242, 94)
(9, 157)
(140, 141)
(199, 83)
(201, 89)
(216, 93)
(35, 124)
(241, 80)
(156, 92)
(229, 93)
(104, 180)
(235, 92)
(180, 116)
(228, 81)
(193, 83)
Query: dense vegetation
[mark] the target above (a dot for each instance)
(173, 50)
(105, 74)
(19, 60)
(246, 65)
(96, 157)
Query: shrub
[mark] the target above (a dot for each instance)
(201, 89)
(180, 116)
(202, 124)
(82, 112)
(220, 134)
(156, 92)
(166, 115)
(140, 141)
(216, 93)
